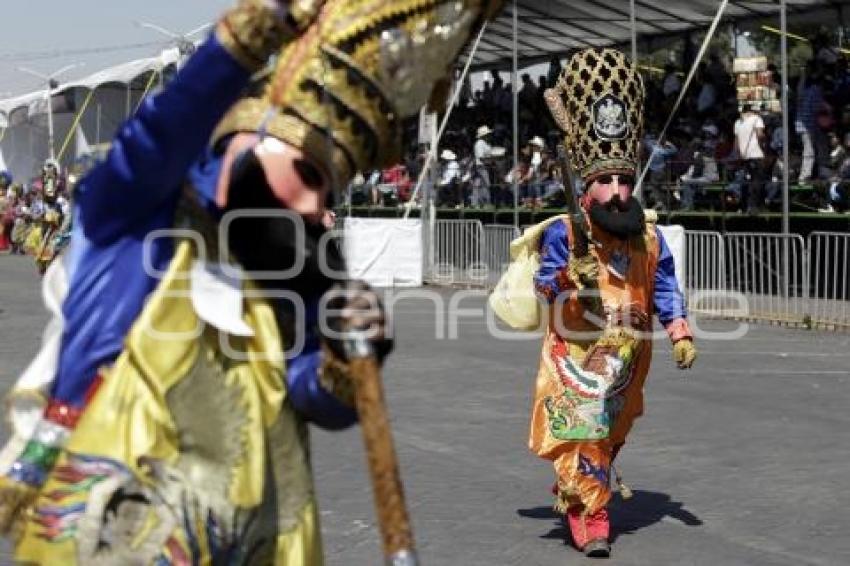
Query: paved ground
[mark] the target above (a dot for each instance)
(740, 462)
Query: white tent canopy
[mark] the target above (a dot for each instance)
(124, 73)
(108, 95)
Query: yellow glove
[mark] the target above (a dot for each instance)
(684, 353)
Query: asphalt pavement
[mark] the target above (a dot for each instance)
(741, 461)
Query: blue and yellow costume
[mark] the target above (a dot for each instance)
(174, 430)
(154, 446)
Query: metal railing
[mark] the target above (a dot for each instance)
(828, 255)
(705, 271)
(497, 249)
(769, 271)
(760, 277)
(458, 253)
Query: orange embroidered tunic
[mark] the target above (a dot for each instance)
(589, 387)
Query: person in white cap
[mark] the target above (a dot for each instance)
(480, 175)
(533, 189)
(537, 146)
(451, 177)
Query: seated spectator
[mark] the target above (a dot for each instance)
(734, 191)
(519, 177)
(659, 155)
(701, 172)
(837, 153)
(358, 193)
(551, 184)
(773, 187)
(838, 188)
(398, 177)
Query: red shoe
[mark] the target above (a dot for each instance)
(590, 532)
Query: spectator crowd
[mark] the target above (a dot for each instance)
(720, 153)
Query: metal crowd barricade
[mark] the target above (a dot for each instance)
(458, 253)
(829, 254)
(770, 272)
(705, 272)
(497, 249)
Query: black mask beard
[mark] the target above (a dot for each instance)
(269, 244)
(623, 219)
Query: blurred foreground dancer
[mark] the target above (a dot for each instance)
(604, 271)
(162, 423)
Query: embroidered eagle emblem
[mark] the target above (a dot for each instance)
(610, 118)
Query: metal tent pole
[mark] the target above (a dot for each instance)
(51, 147)
(633, 25)
(633, 28)
(786, 222)
(514, 85)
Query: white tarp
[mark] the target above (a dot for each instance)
(384, 252)
(675, 238)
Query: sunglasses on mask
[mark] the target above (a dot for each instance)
(609, 179)
(249, 181)
(271, 244)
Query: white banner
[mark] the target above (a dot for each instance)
(384, 252)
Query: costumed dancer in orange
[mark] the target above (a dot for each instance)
(597, 347)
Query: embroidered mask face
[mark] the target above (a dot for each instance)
(287, 247)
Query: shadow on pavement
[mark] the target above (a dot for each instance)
(644, 509)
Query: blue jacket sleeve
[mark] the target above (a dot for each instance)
(310, 399)
(154, 149)
(554, 255)
(669, 302)
(305, 392)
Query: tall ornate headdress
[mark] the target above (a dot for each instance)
(341, 91)
(599, 104)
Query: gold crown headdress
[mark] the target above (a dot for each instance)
(599, 103)
(341, 91)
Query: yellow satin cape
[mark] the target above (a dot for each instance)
(182, 450)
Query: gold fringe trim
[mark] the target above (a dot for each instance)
(16, 502)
